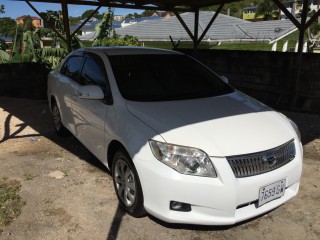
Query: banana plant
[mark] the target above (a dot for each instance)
(106, 36)
(104, 28)
(27, 45)
(4, 57)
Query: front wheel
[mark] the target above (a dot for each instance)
(127, 184)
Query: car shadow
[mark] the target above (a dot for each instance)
(36, 114)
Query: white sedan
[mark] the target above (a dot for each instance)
(181, 143)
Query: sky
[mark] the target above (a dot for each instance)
(15, 9)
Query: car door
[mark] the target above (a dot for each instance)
(89, 115)
(69, 83)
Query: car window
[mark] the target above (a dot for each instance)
(72, 68)
(93, 72)
(165, 77)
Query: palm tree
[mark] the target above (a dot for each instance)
(267, 10)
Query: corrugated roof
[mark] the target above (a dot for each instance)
(271, 30)
(88, 37)
(90, 25)
(225, 28)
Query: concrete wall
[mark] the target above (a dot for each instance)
(25, 80)
(268, 76)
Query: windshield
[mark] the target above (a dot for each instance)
(164, 77)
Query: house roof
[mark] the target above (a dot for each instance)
(269, 30)
(115, 24)
(250, 8)
(24, 16)
(5, 38)
(225, 28)
(127, 20)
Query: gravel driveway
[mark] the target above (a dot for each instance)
(68, 194)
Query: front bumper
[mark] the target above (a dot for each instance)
(224, 200)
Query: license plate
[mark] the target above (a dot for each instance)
(271, 192)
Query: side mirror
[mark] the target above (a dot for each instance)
(93, 92)
(225, 79)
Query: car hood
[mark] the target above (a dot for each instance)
(221, 126)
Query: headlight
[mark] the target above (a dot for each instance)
(185, 160)
(295, 127)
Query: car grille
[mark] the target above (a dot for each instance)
(262, 162)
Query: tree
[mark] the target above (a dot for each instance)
(7, 26)
(130, 15)
(266, 9)
(137, 15)
(234, 7)
(74, 20)
(2, 9)
(133, 15)
(87, 13)
(148, 13)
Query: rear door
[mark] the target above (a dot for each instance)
(89, 115)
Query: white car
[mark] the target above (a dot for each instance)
(181, 143)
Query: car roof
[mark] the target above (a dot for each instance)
(127, 50)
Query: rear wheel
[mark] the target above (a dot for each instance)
(60, 129)
(127, 184)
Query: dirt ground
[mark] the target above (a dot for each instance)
(68, 194)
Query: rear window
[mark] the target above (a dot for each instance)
(165, 77)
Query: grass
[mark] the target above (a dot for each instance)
(10, 202)
(244, 46)
(29, 176)
(66, 173)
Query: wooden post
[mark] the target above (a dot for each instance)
(196, 32)
(295, 85)
(65, 14)
(184, 25)
(210, 23)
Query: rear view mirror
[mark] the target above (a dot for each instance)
(93, 92)
(225, 79)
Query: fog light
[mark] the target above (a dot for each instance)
(179, 206)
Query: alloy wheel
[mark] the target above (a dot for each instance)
(125, 183)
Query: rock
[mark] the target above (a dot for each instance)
(57, 174)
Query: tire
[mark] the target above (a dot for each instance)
(127, 184)
(60, 129)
